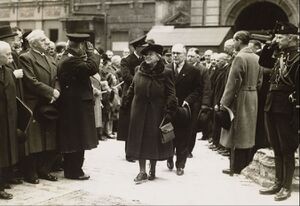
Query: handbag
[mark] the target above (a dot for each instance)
(167, 131)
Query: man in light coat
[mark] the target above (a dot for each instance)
(240, 99)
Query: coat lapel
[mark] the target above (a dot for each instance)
(39, 61)
(183, 73)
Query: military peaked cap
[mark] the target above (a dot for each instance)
(77, 37)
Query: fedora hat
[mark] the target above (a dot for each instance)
(203, 116)
(223, 118)
(6, 31)
(46, 112)
(183, 115)
(152, 47)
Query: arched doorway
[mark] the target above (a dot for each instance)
(259, 16)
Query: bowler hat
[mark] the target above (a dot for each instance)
(138, 41)
(6, 31)
(77, 37)
(183, 115)
(223, 118)
(285, 28)
(46, 112)
(152, 47)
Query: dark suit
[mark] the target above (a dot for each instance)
(204, 100)
(188, 88)
(281, 116)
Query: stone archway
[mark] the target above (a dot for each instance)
(233, 10)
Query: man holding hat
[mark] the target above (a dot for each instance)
(282, 108)
(77, 130)
(128, 66)
(188, 90)
(40, 92)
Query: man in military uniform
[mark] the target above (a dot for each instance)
(77, 130)
(282, 108)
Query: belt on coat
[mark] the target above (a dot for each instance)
(280, 87)
(248, 88)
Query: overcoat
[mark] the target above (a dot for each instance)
(77, 129)
(96, 84)
(39, 82)
(240, 96)
(153, 96)
(128, 66)
(8, 116)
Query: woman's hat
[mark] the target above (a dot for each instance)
(6, 31)
(152, 47)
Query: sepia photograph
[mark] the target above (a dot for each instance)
(149, 102)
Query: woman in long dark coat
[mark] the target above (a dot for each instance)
(153, 94)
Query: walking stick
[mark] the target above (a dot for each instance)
(231, 161)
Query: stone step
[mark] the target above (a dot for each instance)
(262, 169)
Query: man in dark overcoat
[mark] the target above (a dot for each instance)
(128, 66)
(40, 91)
(203, 104)
(77, 130)
(188, 90)
(282, 108)
(8, 116)
(8, 36)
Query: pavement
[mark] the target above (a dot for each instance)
(111, 183)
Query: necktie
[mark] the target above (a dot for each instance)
(176, 70)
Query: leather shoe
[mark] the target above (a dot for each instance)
(283, 194)
(140, 178)
(179, 171)
(82, 177)
(5, 196)
(170, 164)
(270, 191)
(151, 175)
(32, 180)
(48, 177)
(15, 181)
(226, 171)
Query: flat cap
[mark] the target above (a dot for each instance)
(77, 37)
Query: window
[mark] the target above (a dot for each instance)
(53, 34)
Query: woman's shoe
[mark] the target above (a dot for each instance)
(140, 178)
(151, 175)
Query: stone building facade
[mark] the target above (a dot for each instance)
(112, 23)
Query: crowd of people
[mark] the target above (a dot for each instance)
(241, 99)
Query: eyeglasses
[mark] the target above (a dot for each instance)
(176, 53)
